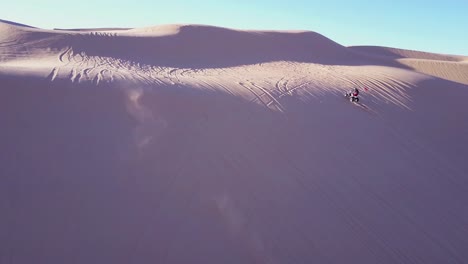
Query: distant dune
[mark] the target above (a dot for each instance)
(201, 144)
(407, 54)
(449, 67)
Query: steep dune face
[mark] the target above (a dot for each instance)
(116, 148)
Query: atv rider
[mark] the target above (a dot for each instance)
(353, 95)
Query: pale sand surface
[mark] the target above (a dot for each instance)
(198, 144)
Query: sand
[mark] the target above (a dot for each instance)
(200, 144)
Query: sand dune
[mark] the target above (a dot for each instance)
(449, 67)
(402, 53)
(185, 46)
(454, 71)
(91, 29)
(198, 144)
(5, 23)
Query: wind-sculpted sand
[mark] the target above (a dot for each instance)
(199, 144)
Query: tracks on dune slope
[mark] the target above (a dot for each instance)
(268, 84)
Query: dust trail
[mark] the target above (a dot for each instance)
(149, 125)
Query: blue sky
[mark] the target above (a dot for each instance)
(434, 26)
